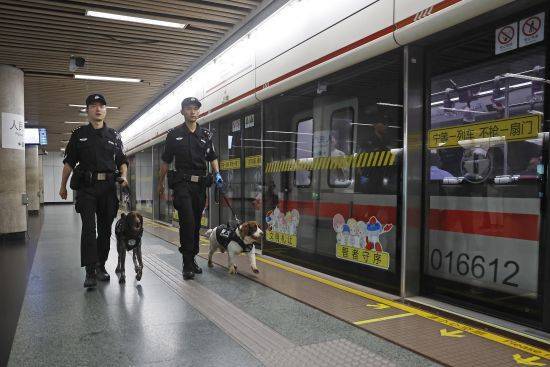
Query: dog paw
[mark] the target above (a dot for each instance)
(122, 280)
(138, 275)
(232, 269)
(210, 264)
(255, 271)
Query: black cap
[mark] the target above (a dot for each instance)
(190, 101)
(92, 98)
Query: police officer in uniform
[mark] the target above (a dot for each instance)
(191, 146)
(98, 151)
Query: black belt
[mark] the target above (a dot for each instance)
(103, 176)
(192, 178)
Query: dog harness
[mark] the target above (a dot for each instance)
(226, 234)
(120, 232)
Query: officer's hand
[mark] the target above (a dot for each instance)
(219, 180)
(63, 193)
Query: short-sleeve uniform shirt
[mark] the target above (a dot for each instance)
(190, 149)
(96, 150)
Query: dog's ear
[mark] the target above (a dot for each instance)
(245, 229)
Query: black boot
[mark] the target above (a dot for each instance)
(187, 271)
(196, 267)
(102, 274)
(90, 280)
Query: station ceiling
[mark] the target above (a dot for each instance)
(40, 36)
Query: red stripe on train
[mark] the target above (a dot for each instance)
(505, 225)
(508, 225)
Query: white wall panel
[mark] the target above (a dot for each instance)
(52, 165)
(376, 17)
(446, 18)
(298, 27)
(235, 89)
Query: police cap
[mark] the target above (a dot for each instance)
(92, 98)
(190, 101)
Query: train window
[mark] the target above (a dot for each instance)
(340, 146)
(485, 166)
(304, 151)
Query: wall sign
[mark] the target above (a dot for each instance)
(13, 131)
(236, 125)
(43, 136)
(531, 30)
(248, 121)
(506, 38)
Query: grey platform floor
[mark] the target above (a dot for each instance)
(148, 323)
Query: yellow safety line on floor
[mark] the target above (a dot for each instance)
(408, 309)
(481, 333)
(370, 321)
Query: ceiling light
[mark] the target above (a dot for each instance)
(63, 141)
(62, 149)
(389, 104)
(84, 106)
(107, 78)
(76, 122)
(127, 18)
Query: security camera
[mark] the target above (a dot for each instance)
(76, 62)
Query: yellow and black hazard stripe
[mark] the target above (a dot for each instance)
(361, 160)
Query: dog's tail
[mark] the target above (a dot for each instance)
(208, 233)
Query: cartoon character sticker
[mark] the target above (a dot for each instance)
(373, 230)
(359, 242)
(282, 228)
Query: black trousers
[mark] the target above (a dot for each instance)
(189, 201)
(98, 200)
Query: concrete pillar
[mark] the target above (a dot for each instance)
(41, 178)
(32, 176)
(13, 213)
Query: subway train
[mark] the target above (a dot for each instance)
(316, 113)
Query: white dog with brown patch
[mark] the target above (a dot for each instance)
(235, 240)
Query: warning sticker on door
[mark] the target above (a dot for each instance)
(516, 128)
(282, 228)
(531, 30)
(359, 242)
(506, 38)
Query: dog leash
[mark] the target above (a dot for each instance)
(222, 193)
(126, 196)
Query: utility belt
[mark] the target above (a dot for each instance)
(82, 178)
(197, 177)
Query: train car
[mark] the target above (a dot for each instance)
(312, 113)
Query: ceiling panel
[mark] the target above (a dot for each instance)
(39, 36)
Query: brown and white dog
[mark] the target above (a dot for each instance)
(235, 240)
(128, 231)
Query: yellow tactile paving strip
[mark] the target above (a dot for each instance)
(443, 340)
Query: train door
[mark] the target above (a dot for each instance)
(239, 141)
(331, 159)
(487, 173)
(333, 138)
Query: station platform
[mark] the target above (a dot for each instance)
(284, 316)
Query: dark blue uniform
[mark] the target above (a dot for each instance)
(192, 151)
(100, 152)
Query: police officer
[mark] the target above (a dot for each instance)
(98, 151)
(192, 147)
